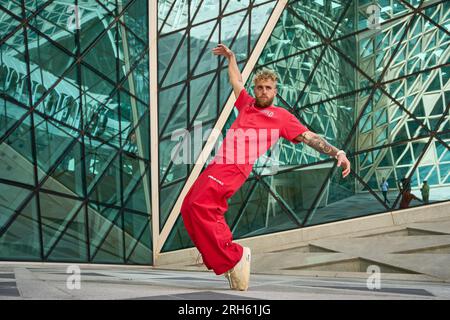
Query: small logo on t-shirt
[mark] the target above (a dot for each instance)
(268, 113)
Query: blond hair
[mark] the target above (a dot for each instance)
(265, 74)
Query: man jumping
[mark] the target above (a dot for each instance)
(205, 204)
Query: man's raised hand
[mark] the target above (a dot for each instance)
(223, 50)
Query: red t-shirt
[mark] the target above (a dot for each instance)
(407, 197)
(255, 131)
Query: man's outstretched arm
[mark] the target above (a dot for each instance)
(233, 70)
(318, 143)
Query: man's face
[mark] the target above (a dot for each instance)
(265, 92)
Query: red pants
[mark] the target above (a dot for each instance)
(203, 212)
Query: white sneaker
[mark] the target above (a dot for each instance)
(239, 276)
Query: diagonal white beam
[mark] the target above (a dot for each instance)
(279, 7)
(154, 157)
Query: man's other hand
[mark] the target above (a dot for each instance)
(343, 161)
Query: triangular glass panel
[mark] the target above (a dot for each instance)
(261, 13)
(235, 32)
(11, 198)
(178, 237)
(262, 215)
(106, 235)
(172, 59)
(204, 38)
(67, 176)
(138, 198)
(72, 245)
(137, 238)
(168, 196)
(16, 154)
(173, 15)
(355, 201)
(209, 9)
(20, 241)
(56, 214)
(52, 143)
(172, 111)
(106, 188)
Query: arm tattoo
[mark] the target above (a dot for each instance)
(318, 143)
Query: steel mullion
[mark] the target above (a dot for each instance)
(198, 76)
(189, 75)
(123, 24)
(219, 84)
(167, 17)
(120, 213)
(243, 206)
(33, 137)
(113, 222)
(343, 95)
(119, 113)
(103, 142)
(325, 42)
(421, 9)
(35, 190)
(138, 240)
(175, 54)
(369, 188)
(62, 233)
(214, 19)
(84, 53)
(83, 144)
(188, 82)
(42, 98)
(287, 210)
(381, 88)
(23, 21)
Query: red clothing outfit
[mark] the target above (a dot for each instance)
(407, 197)
(254, 131)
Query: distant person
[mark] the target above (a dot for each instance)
(425, 190)
(385, 189)
(407, 196)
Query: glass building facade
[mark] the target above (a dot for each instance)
(77, 145)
